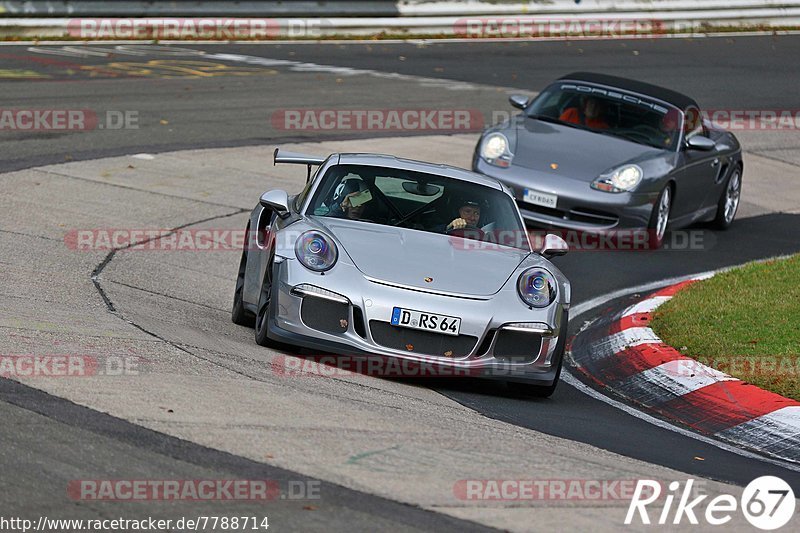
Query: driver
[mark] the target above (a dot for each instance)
(350, 199)
(590, 114)
(469, 215)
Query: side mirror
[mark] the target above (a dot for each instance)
(277, 200)
(518, 101)
(553, 246)
(700, 142)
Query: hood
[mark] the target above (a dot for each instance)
(580, 154)
(407, 257)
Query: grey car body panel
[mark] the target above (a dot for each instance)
(698, 177)
(382, 267)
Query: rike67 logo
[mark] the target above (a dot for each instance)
(767, 503)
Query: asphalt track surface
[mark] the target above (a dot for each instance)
(232, 109)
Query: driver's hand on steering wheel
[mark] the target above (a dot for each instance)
(458, 223)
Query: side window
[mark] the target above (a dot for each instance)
(693, 123)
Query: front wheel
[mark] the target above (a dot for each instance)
(264, 306)
(729, 201)
(240, 315)
(659, 219)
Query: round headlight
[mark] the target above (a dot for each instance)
(627, 178)
(316, 251)
(537, 287)
(622, 179)
(494, 145)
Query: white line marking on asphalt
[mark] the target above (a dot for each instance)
(419, 41)
(571, 380)
(585, 307)
(582, 308)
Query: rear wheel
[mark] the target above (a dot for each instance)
(545, 391)
(729, 201)
(659, 219)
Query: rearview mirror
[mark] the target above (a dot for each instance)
(277, 200)
(553, 246)
(421, 189)
(518, 101)
(700, 142)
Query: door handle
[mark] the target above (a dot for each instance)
(715, 162)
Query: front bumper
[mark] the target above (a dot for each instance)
(358, 325)
(579, 206)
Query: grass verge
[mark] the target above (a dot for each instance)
(744, 322)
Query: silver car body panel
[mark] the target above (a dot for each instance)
(382, 267)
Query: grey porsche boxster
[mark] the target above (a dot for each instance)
(597, 153)
(402, 259)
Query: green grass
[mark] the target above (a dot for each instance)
(745, 322)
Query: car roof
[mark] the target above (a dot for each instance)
(390, 161)
(669, 96)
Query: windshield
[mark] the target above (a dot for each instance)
(419, 201)
(609, 111)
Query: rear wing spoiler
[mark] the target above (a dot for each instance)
(282, 156)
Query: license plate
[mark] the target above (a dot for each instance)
(408, 318)
(540, 198)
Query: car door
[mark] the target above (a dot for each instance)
(696, 171)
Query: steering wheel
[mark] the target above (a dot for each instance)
(467, 232)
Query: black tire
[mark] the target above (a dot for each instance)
(659, 220)
(730, 193)
(240, 315)
(545, 391)
(264, 306)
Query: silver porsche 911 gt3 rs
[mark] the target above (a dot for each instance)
(402, 259)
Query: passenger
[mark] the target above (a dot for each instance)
(590, 114)
(668, 127)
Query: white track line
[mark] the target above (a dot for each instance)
(585, 307)
(418, 40)
(571, 380)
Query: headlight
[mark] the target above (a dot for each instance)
(623, 179)
(537, 287)
(494, 149)
(316, 251)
